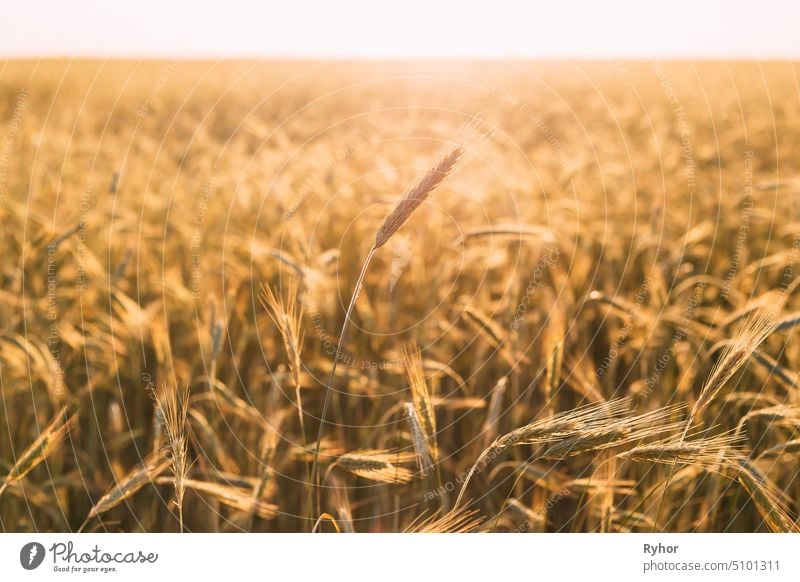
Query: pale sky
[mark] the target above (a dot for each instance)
(410, 28)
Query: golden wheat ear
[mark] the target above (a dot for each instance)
(128, 486)
(743, 343)
(767, 497)
(378, 465)
(48, 441)
(705, 452)
(174, 405)
(236, 498)
(465, 142)
(415, 196)
(454, 521)
(420, 394)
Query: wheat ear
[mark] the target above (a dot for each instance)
(413, 198)
(174, 406)
(750, 334)
(49, 439)
(287, 315)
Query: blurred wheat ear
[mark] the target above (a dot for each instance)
(128, 486)
(467, 138)
(48, 441)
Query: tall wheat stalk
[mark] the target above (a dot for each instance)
(410, 201)
(750, 334)
(174, 406)
(287, 315)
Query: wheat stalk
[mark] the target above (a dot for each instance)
(594, 427)
(420, 412)
(706, 452)
(48, 441)
(489, 429)
(766, 497)
(421, 445)
(341, 502)
(233, 497)
(174, 406)
(413, 198)
(741, 346)
(750, 334)
(455, 521)
(127, 487)
(287, 315)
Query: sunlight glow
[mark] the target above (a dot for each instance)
(408, 29)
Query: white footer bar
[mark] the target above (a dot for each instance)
(400, 557)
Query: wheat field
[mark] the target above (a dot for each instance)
(398, 297)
